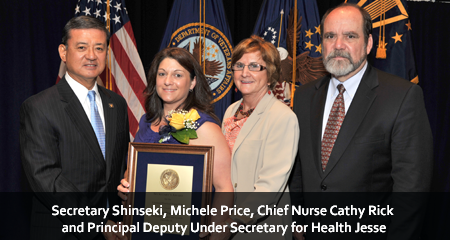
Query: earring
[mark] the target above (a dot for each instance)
(191, 90)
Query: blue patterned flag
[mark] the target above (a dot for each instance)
(200, 26)
(124, 73)
(392, 43)
(297, 41)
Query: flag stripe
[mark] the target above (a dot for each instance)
(127, 70)
(125, 89)
(134, 124)
(133, 121)
(127, 41)
(129, 30)
(62, 71)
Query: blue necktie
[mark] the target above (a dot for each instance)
(96, 122)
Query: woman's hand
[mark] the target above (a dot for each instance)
(224, 235)
(124, 189)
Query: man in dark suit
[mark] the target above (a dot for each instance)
(361, 129)
(74, 137)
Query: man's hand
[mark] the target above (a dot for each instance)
(299, 235)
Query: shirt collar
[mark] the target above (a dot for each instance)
(80, 90)
(351, 84)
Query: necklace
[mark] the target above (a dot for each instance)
(241, 111)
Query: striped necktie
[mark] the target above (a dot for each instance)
(96, 122)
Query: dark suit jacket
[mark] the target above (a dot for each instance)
(60, 153)
(384, 144)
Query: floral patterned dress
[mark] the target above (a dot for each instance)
(232, 127)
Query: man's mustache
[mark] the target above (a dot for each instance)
(339, 53)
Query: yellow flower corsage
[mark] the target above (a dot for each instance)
(183, 125)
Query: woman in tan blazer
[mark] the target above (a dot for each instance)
(262, 134)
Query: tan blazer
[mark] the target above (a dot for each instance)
(262, 158)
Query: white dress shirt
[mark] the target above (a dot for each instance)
(350, 85)
(82, 94)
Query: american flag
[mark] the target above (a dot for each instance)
(124, 73)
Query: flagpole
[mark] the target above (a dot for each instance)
(108, 70)
(200, 33)
(281, 21)
(204, 38)
(294, 56)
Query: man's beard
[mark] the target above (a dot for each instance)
(340, 68)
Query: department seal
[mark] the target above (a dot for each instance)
(216, 59)
(169, 179)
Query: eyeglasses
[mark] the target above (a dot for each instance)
(254, 67)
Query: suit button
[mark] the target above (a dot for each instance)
(235, 185)
(324, 187)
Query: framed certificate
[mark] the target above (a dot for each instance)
(164, 177)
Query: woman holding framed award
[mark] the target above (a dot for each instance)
(179, 111)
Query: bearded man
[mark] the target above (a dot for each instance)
(362, 131)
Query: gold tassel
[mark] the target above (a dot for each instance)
(381, 52)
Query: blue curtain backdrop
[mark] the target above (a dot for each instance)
(431, 44)
(29, 37)
(31, 32)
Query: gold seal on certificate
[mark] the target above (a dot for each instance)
(169, 179)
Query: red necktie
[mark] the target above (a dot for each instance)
(334, 123)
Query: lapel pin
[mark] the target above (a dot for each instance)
(111, 105)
